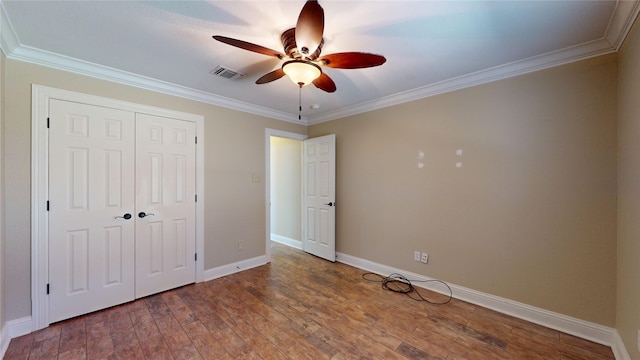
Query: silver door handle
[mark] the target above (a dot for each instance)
(143, 214)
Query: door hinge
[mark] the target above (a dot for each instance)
(47, 205)
(196, 139)
(196, 197)
(47, 123)
(47, 289)
(196, 256)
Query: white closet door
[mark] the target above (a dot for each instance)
(165, 203)
(91, 188)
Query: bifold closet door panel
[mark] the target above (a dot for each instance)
(91, 205)
(165, 203)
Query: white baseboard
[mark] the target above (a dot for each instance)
(619, 350)
(233, 268)
(286, 241)
(587, 330)
(19, 327)
(13, 329)
(4, 341)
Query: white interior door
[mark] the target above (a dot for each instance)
(319, 192)
(91, 189)
(165, 203)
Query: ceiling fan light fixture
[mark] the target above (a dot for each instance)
(301, 72)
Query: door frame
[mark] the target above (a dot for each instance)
(40, 96)
(267, 180)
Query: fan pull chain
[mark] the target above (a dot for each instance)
(300, 101)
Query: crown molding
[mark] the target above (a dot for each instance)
(536, 63)
(622, 20)
(64, 63)
(620, 24)
(8, 39)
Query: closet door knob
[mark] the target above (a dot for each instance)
(126, 216)
(143, 214)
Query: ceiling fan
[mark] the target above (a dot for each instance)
(302, 47)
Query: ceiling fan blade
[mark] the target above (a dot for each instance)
(352, 60)
(249, 46)
(274, 75)
(325, 83)
(310, 27)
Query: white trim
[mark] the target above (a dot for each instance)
(13, 329)
(4, 341)
(61, 62)
(39, 189)
(297, 244)
(521, 67)
(39, 219)
(200, 186)
(268, 133)
(587, 330)
(19, 327)
(619, 350)
(8, 39)
(621, 22)
(235, 267)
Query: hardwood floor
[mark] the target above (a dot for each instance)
(297, 307)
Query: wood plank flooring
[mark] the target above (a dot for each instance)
(298, 307)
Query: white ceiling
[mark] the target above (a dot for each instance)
(431, 46)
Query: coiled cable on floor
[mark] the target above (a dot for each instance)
(400, 284)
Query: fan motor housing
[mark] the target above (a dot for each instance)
(291, 48)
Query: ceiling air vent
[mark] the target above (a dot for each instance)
(226, 73)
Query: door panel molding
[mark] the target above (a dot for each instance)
(40, 179)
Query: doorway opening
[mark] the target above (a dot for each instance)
(283, 188)
(286, 191)
(300, 192)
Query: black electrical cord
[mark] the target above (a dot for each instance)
(400, 284)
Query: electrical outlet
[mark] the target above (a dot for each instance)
(424, 258)
(240, 245)
(416, 255)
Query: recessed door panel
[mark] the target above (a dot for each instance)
(180, 162)
(156, 249)
(78, 261)
(113, 187)
(181, 244)
(113, 247)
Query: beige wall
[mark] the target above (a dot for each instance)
(530, 215)
(628, 296)
(3, 316)
(235, 148)
(286, 188)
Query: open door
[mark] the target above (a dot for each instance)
(319, 192)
